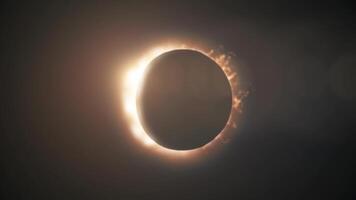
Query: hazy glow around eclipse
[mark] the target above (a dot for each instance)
(132, 81)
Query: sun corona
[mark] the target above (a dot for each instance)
(132, 81)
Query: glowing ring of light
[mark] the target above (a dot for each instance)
(131, 85)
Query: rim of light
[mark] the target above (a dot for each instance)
(132, 82)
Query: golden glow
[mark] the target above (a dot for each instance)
(132, 80)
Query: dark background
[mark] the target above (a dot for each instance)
(62, 135)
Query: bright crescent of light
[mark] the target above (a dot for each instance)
(132, 80)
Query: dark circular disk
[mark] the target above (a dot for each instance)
(185, 100)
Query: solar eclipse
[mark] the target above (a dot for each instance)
(181, 100)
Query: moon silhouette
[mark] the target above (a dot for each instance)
(185, 100)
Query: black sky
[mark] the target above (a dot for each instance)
(62, 136)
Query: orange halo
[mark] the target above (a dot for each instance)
(132, 81)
